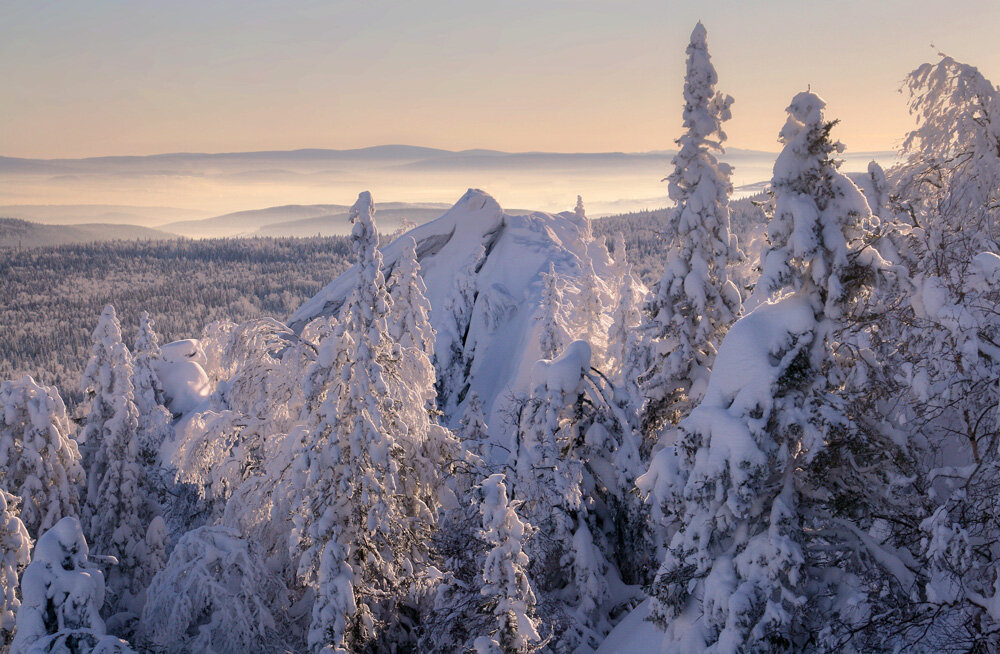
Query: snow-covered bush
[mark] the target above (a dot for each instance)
(215, 594)
(62, 595)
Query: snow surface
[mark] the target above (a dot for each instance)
(634, 634)
(185, 383)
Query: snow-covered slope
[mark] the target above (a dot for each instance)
(504, 255)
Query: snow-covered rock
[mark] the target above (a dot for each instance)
(500, 345)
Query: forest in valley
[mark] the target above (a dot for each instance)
(756, 424)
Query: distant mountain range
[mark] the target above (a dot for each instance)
(306, 192)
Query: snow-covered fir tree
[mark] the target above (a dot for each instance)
(473, 432)
(694, 302)
(551, 332)
(118, 509)
(549, 474)
(369, 506)
(772, 549)
(589, 306)
(581, 216)
(506, 587)
(40, 459)
(154, 418)
(15, 554)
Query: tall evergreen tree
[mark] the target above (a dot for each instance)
(154, 418)
(773, 509)
(551, 336)
(367, 513)
(694, 302)
(506, 586)
(118, 511)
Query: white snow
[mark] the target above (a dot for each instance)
(185, 383)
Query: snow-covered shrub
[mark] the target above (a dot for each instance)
(215, 594)
(39, 459)
(62, 595)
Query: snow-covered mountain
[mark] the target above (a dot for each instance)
(500, 257)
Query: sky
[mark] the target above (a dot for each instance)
(113, 77)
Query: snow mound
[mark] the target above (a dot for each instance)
(504, 255)
(185, 383)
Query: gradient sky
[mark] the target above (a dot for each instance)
(143, 76)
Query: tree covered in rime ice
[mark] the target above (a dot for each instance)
(551, 331)
(154, 418)
(62, 594)
(694, 302)
(506, 587)
(945, 343)
(589, 305)
(550, 469)
(39, 458)
(216, 594)
(370, 496)
(15, 553)
(473, 432)
(778, 474)
(118, 508)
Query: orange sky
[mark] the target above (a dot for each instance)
(144, 76)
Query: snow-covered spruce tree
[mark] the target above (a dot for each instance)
(549, 483)
(506, 586)
(778, 474)
(61, 598)
(622, 267)
(409, 319)
(622, 334)
(15, 554)
(588, 305)
(154, 418)
(118, 508)
(473, 432)
(39, 459)
(551, 335)
(581, 216)
(103, 380)
(216, 594)
(694, 302)
(368, 511)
